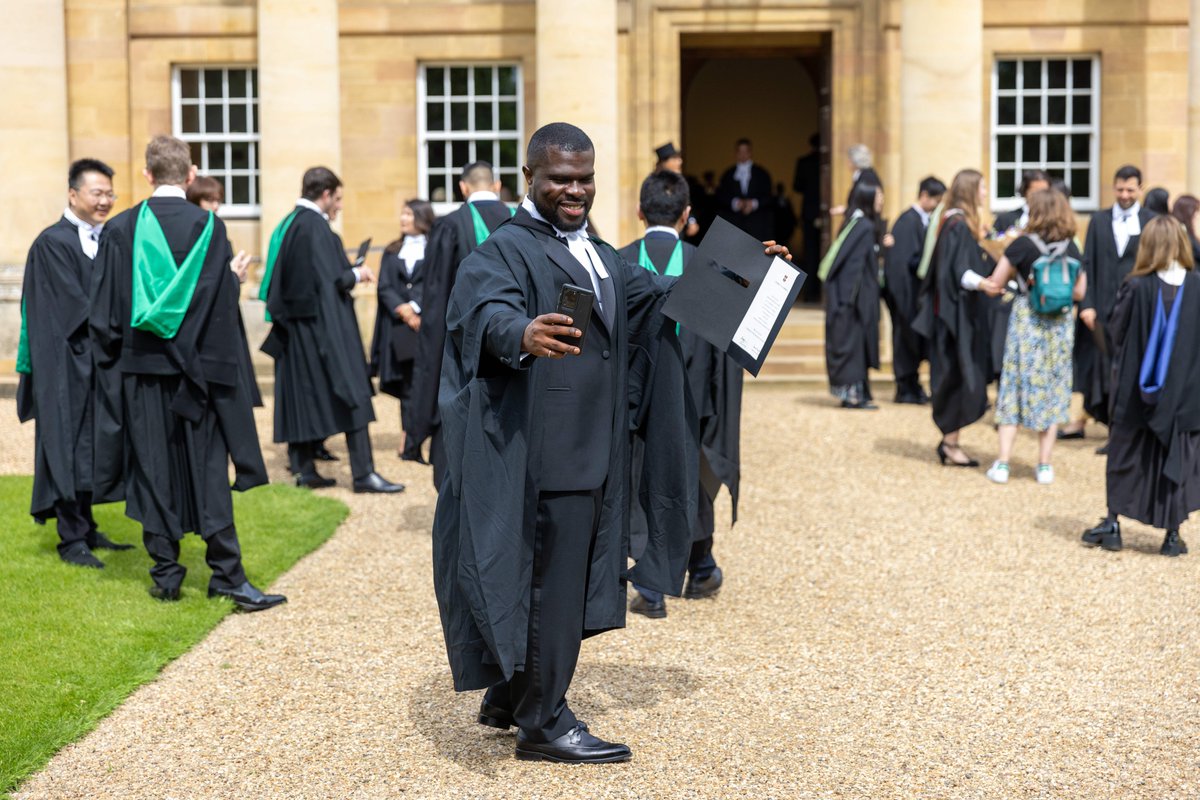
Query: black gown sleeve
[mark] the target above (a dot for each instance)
(391, 285)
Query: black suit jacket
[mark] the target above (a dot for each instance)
(1006, 220)
(398, 286)
(758, 223)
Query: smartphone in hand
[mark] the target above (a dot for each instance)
(576, 302)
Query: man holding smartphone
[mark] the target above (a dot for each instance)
(531, 531)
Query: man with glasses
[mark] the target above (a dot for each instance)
(54, 360)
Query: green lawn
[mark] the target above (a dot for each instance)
(75, 642)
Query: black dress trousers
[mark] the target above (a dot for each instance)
(223, 554)
(358, 443)
(75, 522)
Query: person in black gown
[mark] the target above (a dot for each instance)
(173, 405)
(744, 194)
(54, 361)
(402, 276)
(950, 317)
(715, 382)
(1153, 470)
(901, 288)
(850, 273)
(1185, 209)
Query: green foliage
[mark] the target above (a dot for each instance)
(75, 642)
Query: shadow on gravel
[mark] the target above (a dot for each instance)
(1137, 538)
(417, 518)
(907, 448)
(447, 718)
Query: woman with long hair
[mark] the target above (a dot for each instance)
(1035, 383)
(398, 318)
(1153, 472)
(950, 316)
(850, 272)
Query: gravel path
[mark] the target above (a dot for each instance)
(888, 628)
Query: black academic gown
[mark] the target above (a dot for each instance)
(759, 223)
(322, 380)
(1153, 469)
(394, 345)
(901, 289)
(852, 308)
(502, 451)
(998, 311)
(950, 318)
(715, 382)
(176, 411)
(58, 391)
(1105, 271)
(451, 240)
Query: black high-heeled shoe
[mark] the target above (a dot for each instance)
(950, 462)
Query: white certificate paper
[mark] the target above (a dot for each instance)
(752, 334)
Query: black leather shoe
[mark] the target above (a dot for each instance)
(376, 484)
(79, 555)
(647, 608)
(164, 594)
(910, 400)
(322, 453)
(1102, 450)
(862, 405)
(494, 716)
(98, 541)
(1063, 436)
(247, 597)
(314, 481)
(1173, 545)
(708, 587)
(576, 746)
(1107, 535)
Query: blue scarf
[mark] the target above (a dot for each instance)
(1157, 358)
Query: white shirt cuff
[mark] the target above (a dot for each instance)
(357, 274)
(971, 280)
(415, 307)
(754, 205)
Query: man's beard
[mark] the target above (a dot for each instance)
(551, 213)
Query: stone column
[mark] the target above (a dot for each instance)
(300, 108)
(1193, 176)
(577, 83)
(941, 81)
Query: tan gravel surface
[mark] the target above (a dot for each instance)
(888, 628)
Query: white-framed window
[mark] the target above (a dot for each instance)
(1046, 115)
(465, 113)
(215, 110)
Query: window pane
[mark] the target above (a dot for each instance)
(254, 186)
(485, 151)
(1056, 110)
(1008, 111)
(1056, 147)
(1007, 73)
(1006, 149)
(1056, 74)
(483, 80)
(212, 84)
(239, 155)
(1082, 76)
(435, 116)
(509, 184)
(460, 154)
(237, 83)
(435, 81)
(254, 118)
(458, 195)
(194, 147)
(437, 188)
(1032, 72)
(1031, 148)
(1081, 148)
(1006, 183)
(1031, 110)
(216, 156)
(436, 152)
(241, 189)
(508, 116)
(189, 83)
(459, 117)
(214, 119)
(508, 80)
(189, 119)
(458, 81)
(508, 153)
(1056, 173)
(1081, 109)
(483, 116)
(254, 83)
(1079, 182)
(237, 119)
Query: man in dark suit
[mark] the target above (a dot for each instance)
(174, 405)
(55, 363)
(453, 238)
(1109, 253)
(1032, 180)
(744, 194)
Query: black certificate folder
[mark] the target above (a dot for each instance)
(734, 296)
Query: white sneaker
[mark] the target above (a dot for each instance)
(998, 472)
(1045, 474)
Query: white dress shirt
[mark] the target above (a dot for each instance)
(170, 191)
(663, 229)
(580, 247)
(741, 173)
(89, 235)
(922, 213)
(1125, 225)
(412, 250)
(476, 197)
